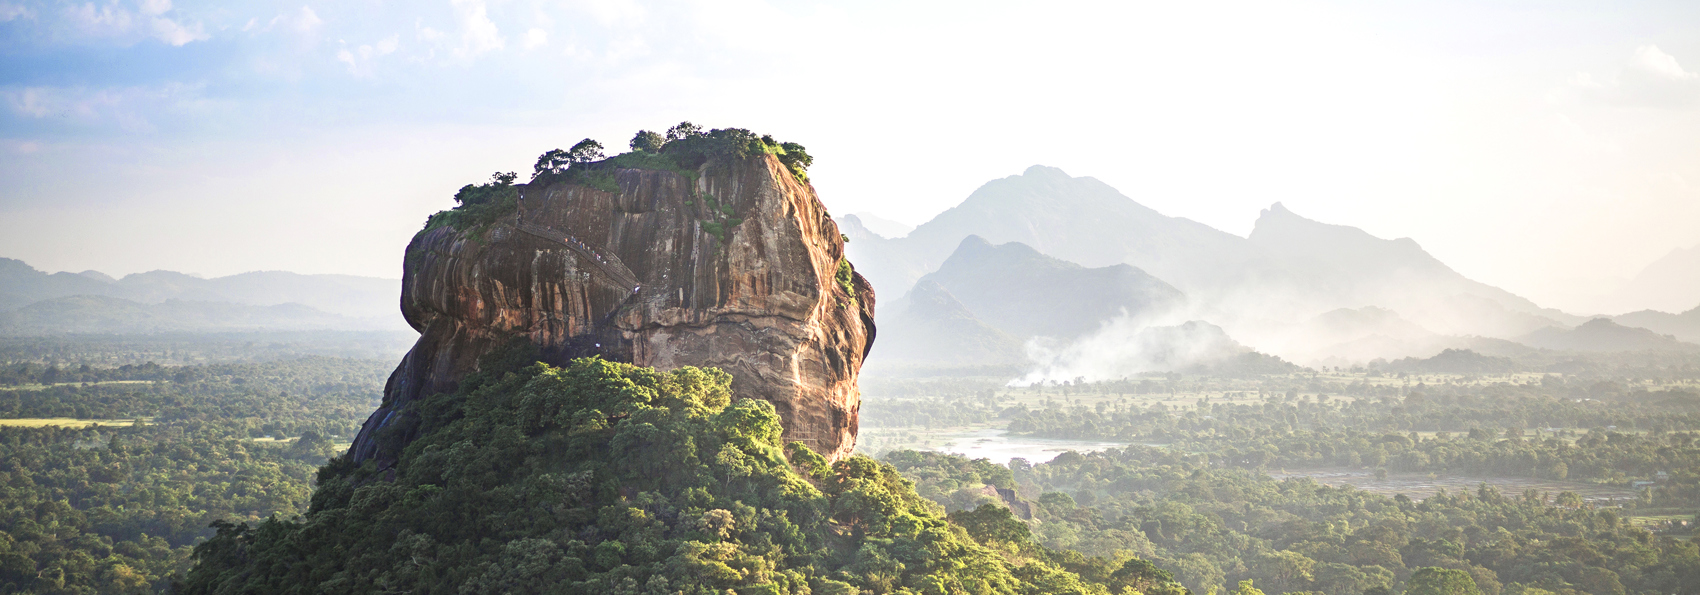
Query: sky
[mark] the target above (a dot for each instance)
(1550, 148)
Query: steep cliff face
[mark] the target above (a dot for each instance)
(739, 269)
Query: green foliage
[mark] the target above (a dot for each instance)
(480, 205)
(117, 357)
(605, 477)
(993, 523)
(556, 161)
(1212, 526)
(499, 189)
(715, 229)
(647, 160)
(795, 158)
(683, 131)
(116, 509)
(846, 278)
(585, 151)
(602, 179)
(552, 161)
(1373, 432)
(952, 481)
(1145, 577)
(648, 142)
(1246, 588)
(323, 395)
(691, 147)
(685, 149)
(1441, 581)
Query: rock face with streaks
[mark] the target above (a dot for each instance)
(737, 267)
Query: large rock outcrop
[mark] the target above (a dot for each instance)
(738, 269)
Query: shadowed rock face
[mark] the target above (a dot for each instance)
(763, 304)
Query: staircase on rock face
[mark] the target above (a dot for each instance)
(601, 260)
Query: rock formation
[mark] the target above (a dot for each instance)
(737, 267)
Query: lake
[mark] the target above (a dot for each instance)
(1000, 447)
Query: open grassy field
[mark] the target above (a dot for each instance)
(65, 422)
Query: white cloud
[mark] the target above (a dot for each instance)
(175, 33)
(359, 60)
(1649, 59)
(300, 27)
(115, 21)
(427, 33)
(30, 101)
(536, 38)
(1651, 78)
(303, 21)
(478, 34)
(155, 7)
(109, 20)
(10, 11)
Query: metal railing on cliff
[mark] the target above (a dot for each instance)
(601, 260)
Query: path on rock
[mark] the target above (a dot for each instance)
(603, 261)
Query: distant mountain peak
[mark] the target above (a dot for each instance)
(974, 242)
(1669, 284)
(1278, 218)
(977, 251)
(98, 276)
(880, 226)
(1045, 171)
(1601, 334)
(852, 226)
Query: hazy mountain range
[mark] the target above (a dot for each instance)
(1015, 288)
(36, 302)
(1670, 284)
(1601, 334)
(1684, 326)
(1042, 269)
(1305, 290)
(985, 300)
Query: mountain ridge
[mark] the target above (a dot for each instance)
(345, 295)
(1288, 269)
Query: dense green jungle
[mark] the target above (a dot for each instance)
(596, 477)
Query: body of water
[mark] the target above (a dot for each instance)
(1000, 447)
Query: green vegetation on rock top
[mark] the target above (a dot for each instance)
(683, 150)
(480, 204)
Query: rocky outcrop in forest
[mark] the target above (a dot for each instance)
(733, 264)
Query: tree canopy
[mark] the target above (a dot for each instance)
(602, 477)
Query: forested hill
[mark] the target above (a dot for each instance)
(603, 477)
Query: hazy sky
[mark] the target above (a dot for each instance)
(1545, 147)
